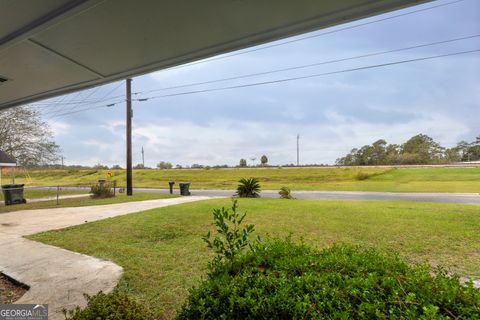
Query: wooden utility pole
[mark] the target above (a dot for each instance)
(298, 150)
(129, 137)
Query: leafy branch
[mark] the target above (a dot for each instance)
(231, 238)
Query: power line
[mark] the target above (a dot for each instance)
(74, 102)
(66, 112)
(317, 35)
(309, 76)
(314, 64)
(86, 109)
(51, 114)
(274, 81)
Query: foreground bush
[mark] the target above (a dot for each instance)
(111, 306)
(102, 190)
(283, 280)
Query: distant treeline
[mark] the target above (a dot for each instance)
(420, 149)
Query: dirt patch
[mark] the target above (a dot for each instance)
(9, 224)
(10, 291)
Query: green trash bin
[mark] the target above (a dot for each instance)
(13, 194)
(184, 189)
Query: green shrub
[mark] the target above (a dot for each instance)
(283, 280)
(248, 188)
(231, 238)
(102, 190)
(111, 306)
(285, 193)
(362, 176)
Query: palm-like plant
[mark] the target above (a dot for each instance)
(248, 188)
(285, 193)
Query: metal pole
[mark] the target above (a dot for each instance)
(143, 157)
(58, 191)
(129, 138)
(298, 150)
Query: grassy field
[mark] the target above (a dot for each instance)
(341, 179)
(83, 202)
(163, 255)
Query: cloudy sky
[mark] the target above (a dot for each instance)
(332, 113)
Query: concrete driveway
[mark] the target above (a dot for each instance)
(57, 276)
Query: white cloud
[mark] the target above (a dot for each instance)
(59, 128)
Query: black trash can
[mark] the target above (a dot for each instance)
(184, 189)
(13, 194)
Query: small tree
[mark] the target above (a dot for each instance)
(164, 165)
(231, 239)
(139, 166)
(264, 160)
(243, 163)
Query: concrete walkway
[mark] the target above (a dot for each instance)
(57, 276)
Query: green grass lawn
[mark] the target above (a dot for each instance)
(341, 179)
(163, 255)
(84, 201)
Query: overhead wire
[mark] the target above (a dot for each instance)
(67, 112)
(89, 94)
(278, 80)
(308, 76)
(89, 108)
(313, 64)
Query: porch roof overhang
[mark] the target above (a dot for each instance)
(53, 47)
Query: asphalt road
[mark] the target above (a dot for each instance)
(464, 198)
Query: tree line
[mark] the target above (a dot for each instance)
(419, 149)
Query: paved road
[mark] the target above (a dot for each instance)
(57, 276)
(464, 198)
